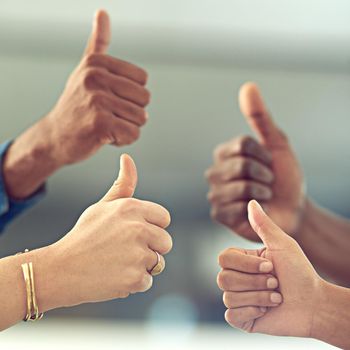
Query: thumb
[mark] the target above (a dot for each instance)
(124, 186)
(100, 35)
(271, 235)
(253, 108)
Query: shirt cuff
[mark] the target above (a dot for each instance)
(10, 208)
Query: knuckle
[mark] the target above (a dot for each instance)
(223, 279)
(144, 282)
(90, 77)
(245, 143)
(128, 205)
(232, 318)
(223, 257)
(146, 97)
(143, 76)
(142, 117)
(167, 244)
(227, 299)
(139, 229)
(219, 149)
(91, 59)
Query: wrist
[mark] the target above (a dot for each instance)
(29, 161)
(308, 211)
(322, 322)
(49, 277)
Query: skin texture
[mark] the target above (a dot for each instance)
(307, 305)
(103, 103)
(267, 170)
(108, 254)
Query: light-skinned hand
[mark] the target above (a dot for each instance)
(290, 309)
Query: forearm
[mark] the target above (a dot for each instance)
(13, 296)
(331, 322)
(325, 239)
(29, 161)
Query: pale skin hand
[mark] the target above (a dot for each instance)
(108, 254)
(307, 305)
(267, 170)
(103, 103)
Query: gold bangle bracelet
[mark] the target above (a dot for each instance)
(33, 313)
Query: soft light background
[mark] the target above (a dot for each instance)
(197, 54)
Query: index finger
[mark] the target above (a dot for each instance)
(119, 67)
(156, 214)
(239, 260)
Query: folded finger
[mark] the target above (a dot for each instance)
(239, 167)
(252, 298)
(244, 145)
(155, 214)
(243, 318)
(235, 281)
(118, 67)
(239, 190)
(234, 259)
(159, 240)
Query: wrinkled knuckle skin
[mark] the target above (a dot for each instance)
(91, 77)
(169, 245)
(144, 283)
(227, 299)
(142, 118)
(91, 59)
(223, 280)
(146, 98)
(143, 76)
(218, 151)
(139, 281)
(128, 205)
(223, 257)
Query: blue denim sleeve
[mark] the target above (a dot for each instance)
(10, 208)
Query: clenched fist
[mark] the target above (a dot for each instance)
(110, 251)
(103, 102)
(265, 169)
(249, 277)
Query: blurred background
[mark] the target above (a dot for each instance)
(197, 53)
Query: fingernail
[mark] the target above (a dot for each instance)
(266, 266)
(263, 309)
(272, 283)
(276, 298)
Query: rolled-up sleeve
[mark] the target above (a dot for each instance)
(9, 208)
